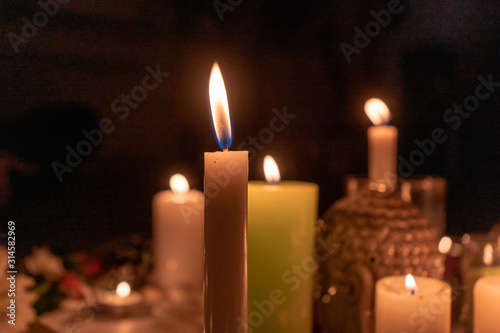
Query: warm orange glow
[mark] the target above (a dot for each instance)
(410, 284)
(179, 184)
(465, 239)
(445, 244)
(271, 170)
(377, 111)
(488, 254)
(123, 289)
(220, 107)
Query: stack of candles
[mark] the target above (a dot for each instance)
(281, 264)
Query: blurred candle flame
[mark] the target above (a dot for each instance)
(123, 289)
(445, 245)
(271, 170)
(488, 255)
(377, 111)
(220, 108)
(410, 284)
(179, 184)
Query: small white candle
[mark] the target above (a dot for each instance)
(410, 305)
(487, 304)
(178, 236)
(121, 298)
(226, 192)
(382, 142)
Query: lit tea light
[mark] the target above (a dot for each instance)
(399, 301)
(121, 298)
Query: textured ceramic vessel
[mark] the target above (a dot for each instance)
(372, 233)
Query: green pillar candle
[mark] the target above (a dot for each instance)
(281, 264)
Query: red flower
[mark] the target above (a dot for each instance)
(71, 285)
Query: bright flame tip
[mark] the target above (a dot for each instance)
(271, 170)
(410, 284)
(220, 108)
(179, 184)
(377, 111)
(445, 245)
(123, 289)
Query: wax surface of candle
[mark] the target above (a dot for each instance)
(178, 239)
(487, 305)
(226, 192)
(281, 264)
(398, 310)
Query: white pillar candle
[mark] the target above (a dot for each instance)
(382, 142)
(487, 304)
(178, 236)
(401, 307)
(226, 192)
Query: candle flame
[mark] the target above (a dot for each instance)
(179, 184)
(123, 289)
(445, 245)
(488, 255)
(220, 108)
(410, 284)
(377, 111)
(271, 170)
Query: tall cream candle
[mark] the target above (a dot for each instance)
(412, 305)
(487, 305)
(226, 192)
(382, 142)
(178, 236)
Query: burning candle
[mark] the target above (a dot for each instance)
(487, 304)
(281, 264)
(122, 298)
(382, 142)
(226, 192)
(407, 304)
(178, 236)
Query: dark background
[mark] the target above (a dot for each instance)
(273, 54)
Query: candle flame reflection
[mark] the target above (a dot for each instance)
(123, 289)
(271, 170)
(377, 111)
(220, 108)
(179, 184)
(410, 284)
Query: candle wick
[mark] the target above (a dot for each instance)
(413, 291)
(225, 149)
